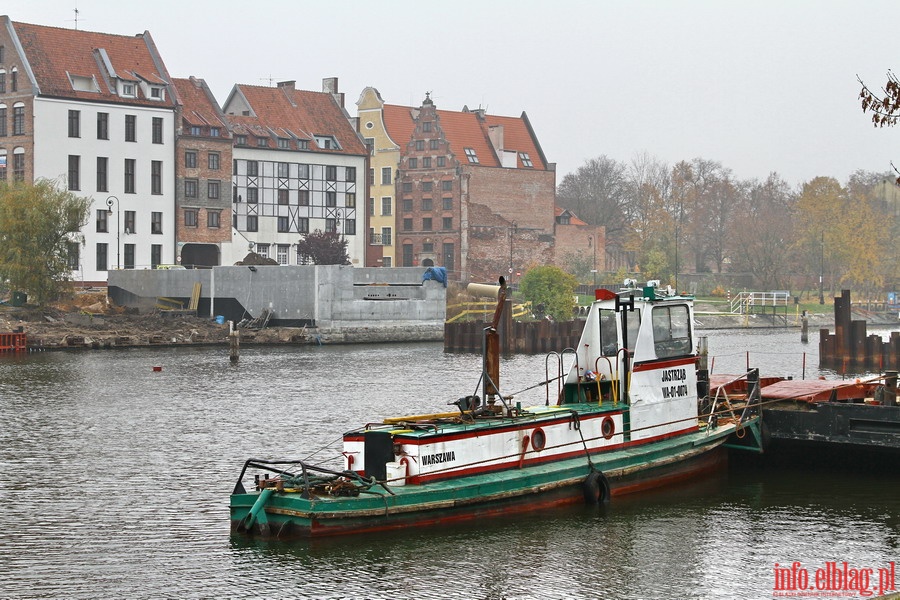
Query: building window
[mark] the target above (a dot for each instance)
(413, 163)
(447, 223)
(252, 168)
(283, 225)
(129, 256)
(252, 195)
(190, 217)
(407, 255)
(407, 186)
(19, 119)
(190, 159)
(331, 225)
(2, 81)
(386, 173)
(74, 123)
(263, 250)
(73, 258)
(213, 132)
(420, 145)
(386, 206)
(350, 200)
(102, 260)
(102, 174)
(407, 205)
(213, 190)
(471, 155)
(130, 128)
(129, 175)
(156, 177)
(330, 198)
(74, 172)
(303, 197)
(3, 132)
(427, 204)
(156, 222)
(330, 173)
(427, 186)
(447, 185)
(190, 188)
(386, 262)
(349, 226)
(252, 224)
(303, 144)
(447, 203)
(14, 81)
(428, 247)
(213, 161)
(18, 166)
(407, 224)
(157, 130)
(426, 162)
(102, 126)
(282, 197)
(350, 174)
(426, 224)
(283, 170)
(240, 140)
(128, 89)
(156, 93)
(441, 161)
(449, 251)
(303, 171)
(281, 254)
(303, 224)
(155, 255)
(386, 236)
(526, 160)
(3, 169)
(434, 144)
(130, 221)
(102, 220)
(284, 143)
(196, 130)
(212, 219)
(426, 126)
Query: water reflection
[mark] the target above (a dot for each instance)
(116, 480)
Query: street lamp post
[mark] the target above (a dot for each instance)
(109, 205)
(592, 242)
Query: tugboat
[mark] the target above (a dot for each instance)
(626, 416)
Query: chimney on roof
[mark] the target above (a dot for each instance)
(330, 86)
(290, 85)
(495, 134)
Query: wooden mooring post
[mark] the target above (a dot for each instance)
(234, 342)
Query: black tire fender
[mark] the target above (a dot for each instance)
(596, 488)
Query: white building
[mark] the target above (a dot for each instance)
(94, 111)
(299, 166)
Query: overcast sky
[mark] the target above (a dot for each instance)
(759, 86)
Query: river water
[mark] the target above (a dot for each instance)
(115, 477)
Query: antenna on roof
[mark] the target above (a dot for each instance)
(270, 79)
(76, 16)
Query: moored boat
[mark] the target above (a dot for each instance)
(622, 414)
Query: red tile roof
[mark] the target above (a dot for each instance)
(286, 112)
(200, 107)
(54, 54)
(466, 129)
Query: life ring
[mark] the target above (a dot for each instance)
(607, 427)
(538, 439)
(596, 488)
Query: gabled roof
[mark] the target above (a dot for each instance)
(54, 55)
(470, 129)
(573, 218)
(290, 113)
(199, 106)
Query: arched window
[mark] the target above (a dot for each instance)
(19, 164)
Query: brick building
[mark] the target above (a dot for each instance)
(203, 145)
(472, 192)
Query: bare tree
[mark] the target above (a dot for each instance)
(598, 193)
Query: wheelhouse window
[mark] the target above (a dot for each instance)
(671, 331)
